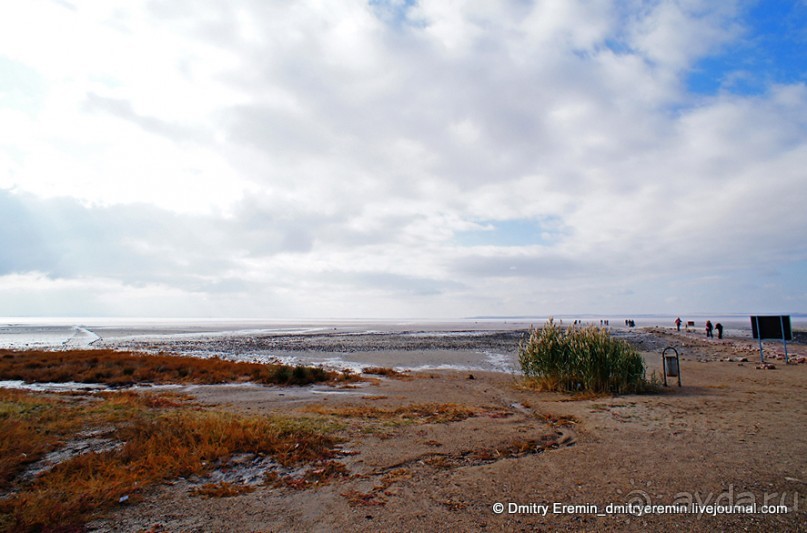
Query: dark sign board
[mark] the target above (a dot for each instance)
(771, 327)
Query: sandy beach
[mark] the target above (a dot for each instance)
(733, 434)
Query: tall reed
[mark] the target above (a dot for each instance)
(581, 359)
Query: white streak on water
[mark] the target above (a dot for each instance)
(81, 337)
(501, 362)
(52, 387)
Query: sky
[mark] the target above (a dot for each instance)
(402, 158)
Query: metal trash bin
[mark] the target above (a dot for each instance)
(671, 365)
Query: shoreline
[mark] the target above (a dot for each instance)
(404, 348)
(44, 332)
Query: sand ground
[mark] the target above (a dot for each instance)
(733, 434)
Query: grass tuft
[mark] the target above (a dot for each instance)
(384, 371)
(222, 489)
(427, 413)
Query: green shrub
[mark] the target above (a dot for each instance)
(282, 375)
(586, 359)
(299, 375)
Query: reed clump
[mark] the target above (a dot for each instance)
(581, 359)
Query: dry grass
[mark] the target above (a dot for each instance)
(377, 496)
(395, 475)
(222, 489)
(367, 499)
(32, 425)
(127, 368)
(533, 384)
(556, 421)
(320, 473)
(160, 436)
(428, 413)
(384, 371)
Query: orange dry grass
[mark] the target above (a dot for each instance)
(160, 442)
(384, 371)
(127, 368)
(320, 473)
(30, 427)
(222, 489)
(428, 413)
(558, 420)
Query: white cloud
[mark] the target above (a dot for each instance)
(325, 158)
(674, 34)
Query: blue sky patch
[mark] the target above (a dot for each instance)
(20, 86)
(772, 50)
(520, 232)
(393, 12)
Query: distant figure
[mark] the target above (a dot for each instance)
(678, 323)
(709, 329)
(719, 328)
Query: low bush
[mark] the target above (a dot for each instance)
(581, 359)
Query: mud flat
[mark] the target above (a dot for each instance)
(491, 350)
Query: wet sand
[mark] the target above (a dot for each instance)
(402, 349)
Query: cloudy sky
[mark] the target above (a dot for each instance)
(402, 158)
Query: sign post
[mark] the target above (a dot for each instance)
(771, 327)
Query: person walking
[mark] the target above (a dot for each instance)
(719, 328)
(678, 323)
(709, 329)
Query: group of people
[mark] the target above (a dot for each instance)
(709, 328)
